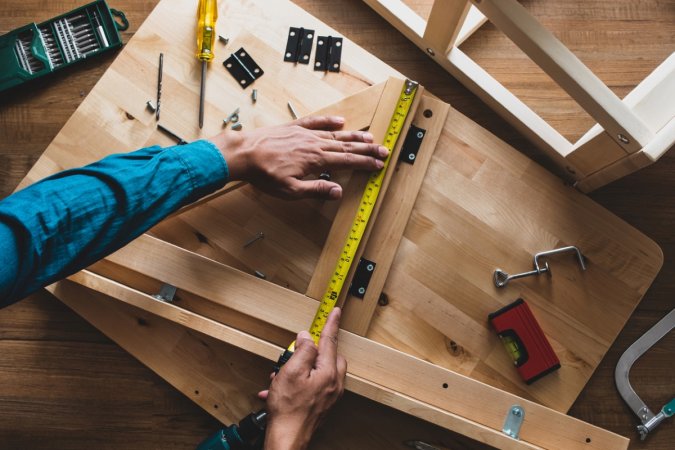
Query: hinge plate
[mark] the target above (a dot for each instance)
(364, 271)
(328, 53)
(299, 45)
(513, 422)
(411, 145)
(243, 68)
(166, 293)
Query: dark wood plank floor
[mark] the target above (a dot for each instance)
(64, 385)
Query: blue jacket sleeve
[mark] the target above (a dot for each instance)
(68, 221)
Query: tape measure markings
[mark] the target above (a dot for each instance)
(364, 212)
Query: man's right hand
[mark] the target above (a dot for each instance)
(277, 159)
(305, 389)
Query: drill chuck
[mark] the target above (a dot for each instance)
(247, 435)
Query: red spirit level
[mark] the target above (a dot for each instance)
(524, 340)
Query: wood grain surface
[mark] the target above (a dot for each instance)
(54, 345)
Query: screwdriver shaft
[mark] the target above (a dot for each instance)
(201, 95)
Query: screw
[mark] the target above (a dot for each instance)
(324, 176)
(383, 300)
(411, 157)
(292, 110)
(150, 106)
(237, 126)
(420, 135)
(259, 274)
(362, 290)
(370, 267)
(257, 237)
(517, 412)
(431, 52)
(254, 95)
(235, 119)
(223, 39)
(233, 114)
(623, 138)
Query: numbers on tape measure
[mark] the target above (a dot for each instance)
(365, 210)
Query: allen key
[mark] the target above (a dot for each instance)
(502, 278)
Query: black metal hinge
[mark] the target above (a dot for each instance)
(328, 53)
(299, 45)
(364, 271)
(242, 67)
(411, 145)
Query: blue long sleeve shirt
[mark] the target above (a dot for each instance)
(68, 221)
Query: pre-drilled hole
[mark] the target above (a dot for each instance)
(445, 385)
(428, 113)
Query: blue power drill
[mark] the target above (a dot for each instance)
(248, 435)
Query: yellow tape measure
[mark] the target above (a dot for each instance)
(366, 207)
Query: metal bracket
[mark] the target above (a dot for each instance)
(411, 145)
(513, 422)
(647, 417)
(299, 45)
(364, 271)
(166, 293)
(328, 53)
(242, 67)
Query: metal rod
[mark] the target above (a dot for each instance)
(257, 237)
(159, 83)
(292, 110)
(201, 96)
(173, 135)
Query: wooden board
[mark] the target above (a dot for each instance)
(288, 255)
(375, 371)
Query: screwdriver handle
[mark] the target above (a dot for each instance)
(206, 29)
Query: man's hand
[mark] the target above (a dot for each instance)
(305, 388)
(277, 159)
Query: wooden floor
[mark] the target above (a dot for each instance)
(64, 385)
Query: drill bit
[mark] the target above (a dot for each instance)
(159, 84)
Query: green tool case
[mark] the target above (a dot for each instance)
(36, 50)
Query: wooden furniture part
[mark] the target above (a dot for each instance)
(469, 217)
(630, 133)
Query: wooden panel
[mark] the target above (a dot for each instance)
(397, 372)
(352, 196)
(396, 208)
(484, 206)
(444, 24)
(296, 232)
(223, 379)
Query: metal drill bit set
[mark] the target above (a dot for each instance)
(38, 49)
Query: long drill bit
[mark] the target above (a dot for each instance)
(159, 84)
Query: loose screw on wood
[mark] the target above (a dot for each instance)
(257, 237)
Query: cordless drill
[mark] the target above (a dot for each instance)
(248, 435)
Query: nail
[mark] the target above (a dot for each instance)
(368, 137)
(339, 119)
(379, 164)
(383, 151)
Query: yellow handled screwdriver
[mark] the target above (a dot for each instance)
(206, 37)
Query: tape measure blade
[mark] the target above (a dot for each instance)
(393, 158)
(369, 205)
